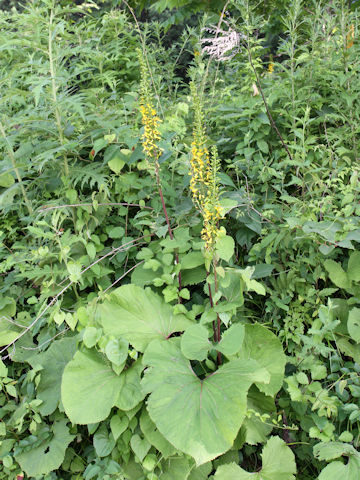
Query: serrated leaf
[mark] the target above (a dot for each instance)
(215, 407)
(117, 232)
(49, 455)
(278, 463)
(191, 260)
(139, 316)
(331, 450)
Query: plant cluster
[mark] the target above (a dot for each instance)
(179, 256)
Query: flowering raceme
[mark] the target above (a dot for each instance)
(203, 172)
(150, 119)
(151, 133)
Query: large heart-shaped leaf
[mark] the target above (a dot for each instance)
(199, 417)
(263, 346)
(49, 455)
(139, 316)
(52, 362)
(89, 387)
(331, 450)
(278, 463)
(337, 470)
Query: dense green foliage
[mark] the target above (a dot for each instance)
(130, 349)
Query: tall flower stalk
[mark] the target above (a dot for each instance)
(151, 138)
(204, 187)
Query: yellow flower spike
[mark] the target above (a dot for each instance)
(203, 170)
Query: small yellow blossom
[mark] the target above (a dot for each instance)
(350, 37)
(271, 67)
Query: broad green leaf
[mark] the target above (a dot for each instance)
(139, 316)
(215, 407)
(225, 247)
(348, 348)
(252, 285)
(232, 286)
(91, 335)
(89, 387)
(191, 260)
(257, 431)
(278, 463)
(103, 442)
(331, 450)
(118, 425)
(340, 471)
(195, 343)
(200, 473)
(52, 362)
(262, 345)
(49, 455)
(91, 250)
(116, 351)
(176, 468)
(353, 324)
(354, 267)
(140, 446)
(117, 232)
(6, 180)
(7, 307)
(337, 274)
(116, 164)
(153, 436)
(232, 340)
(131, 392)
(3, 369)
(263, 146)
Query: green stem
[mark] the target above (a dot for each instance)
(171, 235)
(17, 173)
(54, 89)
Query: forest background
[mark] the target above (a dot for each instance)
(179, 240)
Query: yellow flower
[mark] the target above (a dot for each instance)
(350, 37)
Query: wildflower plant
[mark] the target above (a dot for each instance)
(151, 138)
(204, 185)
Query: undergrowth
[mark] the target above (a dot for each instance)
(179, 260)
